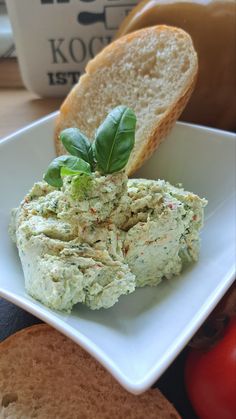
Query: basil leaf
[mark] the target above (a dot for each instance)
(65, 171)
(81, 185)
(114, 140)
(77, 144)
(91, 156)
(75, 164)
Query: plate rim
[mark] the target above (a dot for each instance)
(52, 115)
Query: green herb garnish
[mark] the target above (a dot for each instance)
(80, 186)
(109, 153)
(114, 140)
(77, 144)
(64, 166)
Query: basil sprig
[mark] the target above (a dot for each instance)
(63, 166)
(114, 140)
(109, 153)
(77, 144)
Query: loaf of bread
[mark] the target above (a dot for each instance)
(212, 27)
(45, 375)
(153, 71)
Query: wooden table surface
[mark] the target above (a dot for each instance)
(18, 107)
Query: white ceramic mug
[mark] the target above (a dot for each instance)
(56, 38)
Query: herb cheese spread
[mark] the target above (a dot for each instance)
(125, 234)
(88, 234)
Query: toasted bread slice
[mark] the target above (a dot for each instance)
(46, 375)
(153, 71)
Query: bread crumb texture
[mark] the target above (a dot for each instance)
(45, 375)
(153, 71)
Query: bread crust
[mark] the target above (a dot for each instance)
(73, 103)
(99, 391)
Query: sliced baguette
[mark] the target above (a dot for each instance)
(153, 71)
(45, 375)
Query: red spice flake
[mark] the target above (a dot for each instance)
(93, 210)
(126, 249)
(194, 217)
(170, 206)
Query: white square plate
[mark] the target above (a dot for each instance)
(141, 335)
